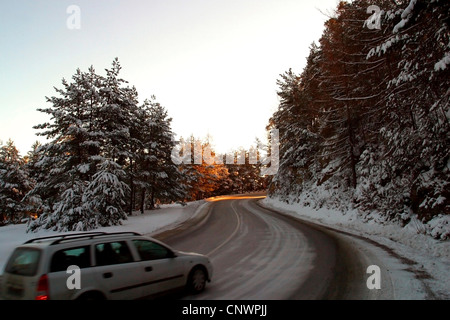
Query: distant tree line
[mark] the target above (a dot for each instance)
(366, 124)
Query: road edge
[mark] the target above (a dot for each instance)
(419, 274)
(197, 219)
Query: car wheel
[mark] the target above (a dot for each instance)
(197, 280)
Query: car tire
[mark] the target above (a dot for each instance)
(197, 280)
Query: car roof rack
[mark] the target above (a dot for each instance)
(76, 236)
(94, 235)
(63, 236)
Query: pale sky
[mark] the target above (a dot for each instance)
(213, 64)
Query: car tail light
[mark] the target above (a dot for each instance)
(42, 288)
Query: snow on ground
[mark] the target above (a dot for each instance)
(431, 255)
(149, 223)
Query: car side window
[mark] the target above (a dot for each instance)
(112, 253)
(149, 250)
(62, 259)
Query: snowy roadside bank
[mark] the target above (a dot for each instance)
(431, 255)
(150, 223)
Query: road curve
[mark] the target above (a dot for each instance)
(262, 255)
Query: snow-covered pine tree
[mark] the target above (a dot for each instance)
(14, 184)
(104, 197)
(69, 213)
(159, 177)
(415, 126)
(32, 203)
(120, 125)
(66, 162)
(348, 89)
(382, 112)
(46, 172)
(117, 116)
(90, 121)
(296, 119)
(31, 159)
(184, 157)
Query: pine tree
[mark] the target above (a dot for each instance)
(14, 183)
(65, 163)
(296, 120)
(376, 105)
(159, 176)
(91, 117)
(120, 127)
(415, 120)
(32, 203)
(105, 196)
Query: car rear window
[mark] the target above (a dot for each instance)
(24, 261)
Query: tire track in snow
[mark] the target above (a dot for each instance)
(264, 258)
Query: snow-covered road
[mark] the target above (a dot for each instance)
(261, 254)
(255, 255)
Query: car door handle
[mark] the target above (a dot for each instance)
(107, 275)
(148, 269)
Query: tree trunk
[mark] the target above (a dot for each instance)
(142, 200)
(130, 209)
(152, 199)
(351, 148)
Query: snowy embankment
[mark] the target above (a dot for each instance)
(149, 223)
(430, 254)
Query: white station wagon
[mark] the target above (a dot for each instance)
(122, 265)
